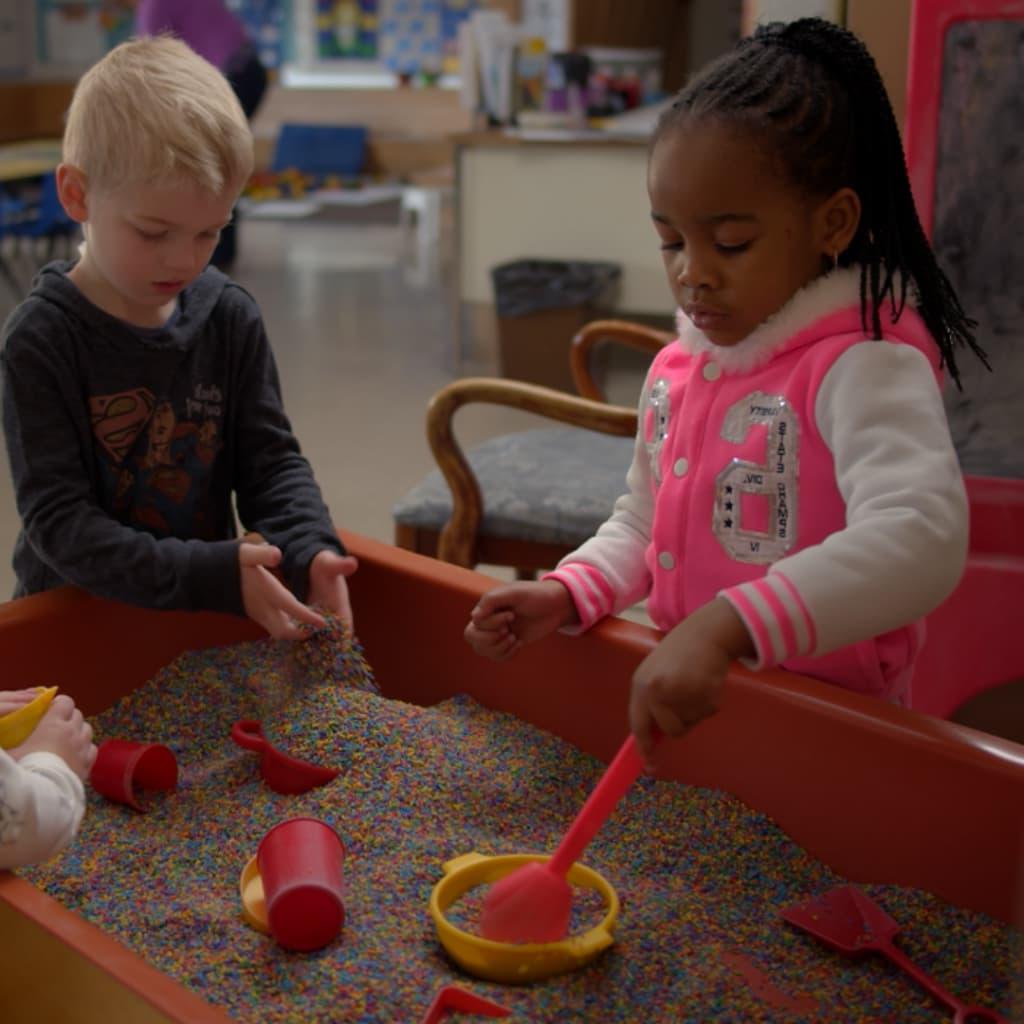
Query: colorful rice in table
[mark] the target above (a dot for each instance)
(701, 876)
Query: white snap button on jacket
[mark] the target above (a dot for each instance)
(681, 467)
(666, 561)
(712, 371)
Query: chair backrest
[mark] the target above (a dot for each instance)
(458, 540)
(459, 537)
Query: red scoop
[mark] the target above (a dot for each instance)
(534, 903)
(281, 772)
(452, 999)
(849, 921)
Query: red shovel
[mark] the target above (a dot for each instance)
(533, 903)
(849, 921)
(452, 999)
(281, 772)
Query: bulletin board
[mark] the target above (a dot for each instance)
(268, 23)
(346, 29)
(73, 35)
(965, 112)
(404, 36)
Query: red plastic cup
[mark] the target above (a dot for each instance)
(300, 862)
(122, 766)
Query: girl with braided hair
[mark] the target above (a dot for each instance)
(794, 497)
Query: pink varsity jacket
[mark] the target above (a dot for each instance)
(807, 476)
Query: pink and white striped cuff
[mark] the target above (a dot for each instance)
(775, 614)
(589, 590)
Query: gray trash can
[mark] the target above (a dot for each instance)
(540, 305)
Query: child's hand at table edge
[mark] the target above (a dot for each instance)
(678, 684)
(509, 617)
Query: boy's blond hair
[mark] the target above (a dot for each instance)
(153, 111)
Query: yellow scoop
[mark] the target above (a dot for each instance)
(516, 962)
(17, 726)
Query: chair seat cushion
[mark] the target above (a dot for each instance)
(554, 485)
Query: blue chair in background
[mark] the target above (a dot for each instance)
(34, 215)
(12, 211)
(321, 149)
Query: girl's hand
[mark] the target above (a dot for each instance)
(507, 618)
(678, 684)
(327, 586)
(64, 732)
(267, 600)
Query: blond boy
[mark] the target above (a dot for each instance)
(140, 394)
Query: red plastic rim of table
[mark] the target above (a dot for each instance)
(121, 766)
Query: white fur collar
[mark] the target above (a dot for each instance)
(820, 297)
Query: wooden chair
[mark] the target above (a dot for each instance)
(525, 499)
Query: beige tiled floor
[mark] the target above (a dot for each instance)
(363, 335)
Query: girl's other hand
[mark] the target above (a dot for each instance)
(507, 618)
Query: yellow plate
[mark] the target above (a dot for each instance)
(516, 962)
(17, 726)
(250, 889)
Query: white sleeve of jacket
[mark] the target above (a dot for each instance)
(608, 573)
(904, 546)
(41, 806)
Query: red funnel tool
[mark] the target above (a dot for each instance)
(281, 772)
(849, 921)
(452, 999)
(533, 903)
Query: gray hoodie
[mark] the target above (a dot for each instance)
(127, 444)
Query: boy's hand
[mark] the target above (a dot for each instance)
(64, 732)
(678, 683)
(327, 586)
(508, 617)
(267, 600)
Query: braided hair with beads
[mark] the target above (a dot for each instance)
(812, 91)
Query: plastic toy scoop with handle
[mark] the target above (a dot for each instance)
(849, 921)
(281, 772)
(534, 902)
(18, 725)
(452, 999)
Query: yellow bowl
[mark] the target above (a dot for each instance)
(250, 889)
(17, 726)
(513, 963)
